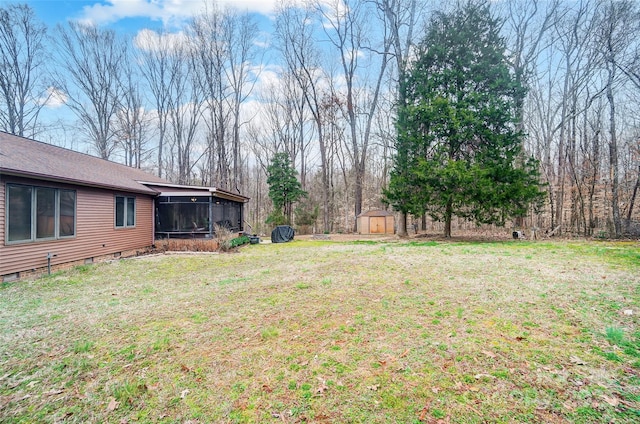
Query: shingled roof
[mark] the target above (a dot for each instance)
(376, 212)
(24, 157)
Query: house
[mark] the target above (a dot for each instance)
(58, 206)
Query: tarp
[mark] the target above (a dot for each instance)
(282, 234)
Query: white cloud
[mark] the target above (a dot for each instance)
(54, 98)
(167, 11)
(150, 40)
(170, 12)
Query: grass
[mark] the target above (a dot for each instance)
(330, 332)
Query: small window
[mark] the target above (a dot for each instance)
(67, 222)
(19, 205)
(45, 213)
(39, 213)
(125, 212)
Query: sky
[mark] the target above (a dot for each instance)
(127, 17)
(132, 15)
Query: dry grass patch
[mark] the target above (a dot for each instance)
(330, 332)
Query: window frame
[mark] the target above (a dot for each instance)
(33, 218)
(125, 211)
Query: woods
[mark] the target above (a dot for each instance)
(216, 101)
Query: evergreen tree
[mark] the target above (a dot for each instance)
(284, 188)
(458, 148)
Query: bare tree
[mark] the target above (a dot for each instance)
(346, 28)
(155, 52)
(630, 66)
(294, 33)
(184, 109)
(22, 59)
(399, 19)
(239, 31)
(618, 27)
(91, 59)
(527, 23)
(133, 122)
(212, 53)
(225, 48)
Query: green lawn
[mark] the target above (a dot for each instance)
(336, 332)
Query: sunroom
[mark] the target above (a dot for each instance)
(194, 212)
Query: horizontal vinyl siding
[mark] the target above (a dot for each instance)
(2, 218)
(95, 232)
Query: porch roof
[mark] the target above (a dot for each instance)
(165, 189)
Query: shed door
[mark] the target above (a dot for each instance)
(377, 224)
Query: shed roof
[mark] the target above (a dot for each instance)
(376, 212)
(24, 157)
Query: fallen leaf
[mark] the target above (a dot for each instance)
(435, 390)
(577, 361)
(266, 388)
(611, 400)
(489, 354)
(479, 376)
(628, 312)
(374, 387)
(405, 353)
(184, 393)
(321, 389)
(423, 413)
(113, 405)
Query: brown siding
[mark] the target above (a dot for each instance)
(2, 218)
(96, 234)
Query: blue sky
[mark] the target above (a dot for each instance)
(129, 16)
(126, 17)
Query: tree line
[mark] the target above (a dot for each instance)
(218, 101)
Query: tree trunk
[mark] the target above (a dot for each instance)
(613, 154)
(633, 200)
(402, 224)
(447, 219)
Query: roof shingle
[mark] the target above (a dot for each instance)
(25, 157)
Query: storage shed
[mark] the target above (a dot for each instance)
(376, 222)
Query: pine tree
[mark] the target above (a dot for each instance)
(284, 188)
(458, 148)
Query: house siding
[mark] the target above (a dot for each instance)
(96, 235)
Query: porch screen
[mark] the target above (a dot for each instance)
(181, 214)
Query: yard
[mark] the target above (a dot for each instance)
(337, 332)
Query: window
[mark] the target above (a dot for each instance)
(39, 213)
(125, 212)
